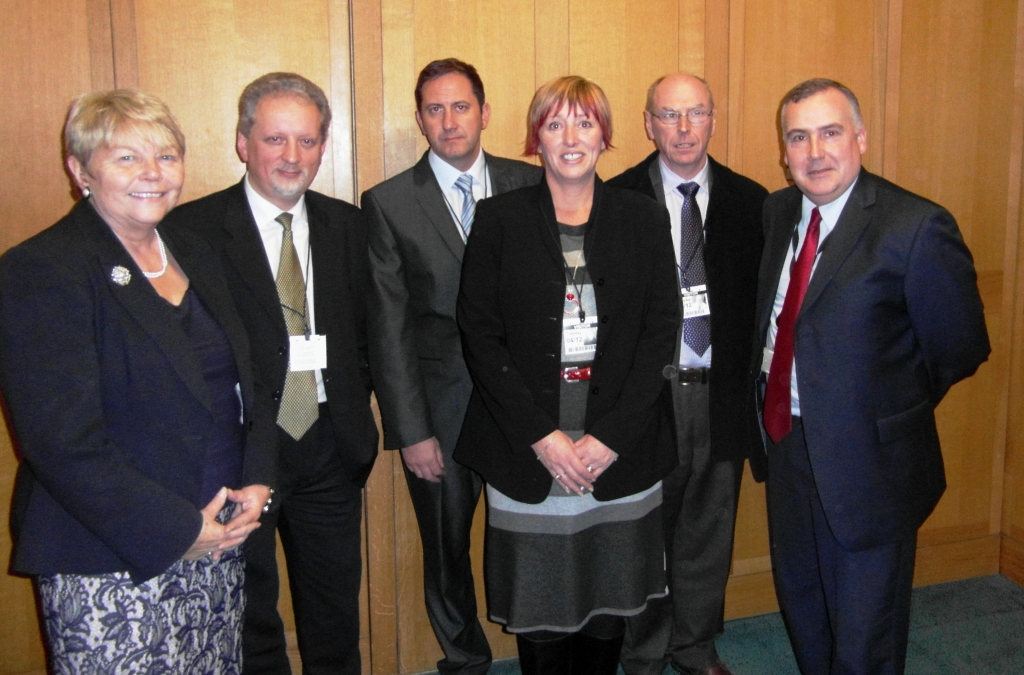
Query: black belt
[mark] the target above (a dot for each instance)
(686, 375)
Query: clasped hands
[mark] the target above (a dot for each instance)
(574, 465)
(214, 539)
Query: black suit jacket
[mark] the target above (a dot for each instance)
(337, 235)
(891, 320)
(733, 241)
(510, 312)
(416, 255)
(108, 402)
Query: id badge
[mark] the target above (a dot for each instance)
(695, 301)
(579, 341)
(307, 353)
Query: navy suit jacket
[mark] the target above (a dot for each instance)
(891, 320)
(733, 241)
(108, 402)
(337, 236)
(510, 311)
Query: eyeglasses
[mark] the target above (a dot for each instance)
(696, 116)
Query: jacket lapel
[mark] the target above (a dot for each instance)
(327, 270)
(145, 306)
(244, 249)
(658, 187)
(844, 236)
(431, 200)
(776, 242)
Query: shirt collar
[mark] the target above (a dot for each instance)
(264, 212)
(829, 212)
(671, 180)
(446, 174)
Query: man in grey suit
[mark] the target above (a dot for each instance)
(418, 224)
(716, 226)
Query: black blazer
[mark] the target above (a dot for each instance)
(510, 313)
(337, 236)
(108, 402)
(416, 254)
(733, 241)
(891, 320)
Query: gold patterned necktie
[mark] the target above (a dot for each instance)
(299, 407)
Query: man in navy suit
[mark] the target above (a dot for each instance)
(867, 313)
(710, 390)
(418, 223)
(316, 368)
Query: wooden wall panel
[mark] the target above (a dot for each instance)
(1011, 506)
(182, 51)
(624, 46)
(833, 38)
(46, 57)
(953, 53)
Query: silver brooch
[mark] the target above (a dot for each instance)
(120, 275)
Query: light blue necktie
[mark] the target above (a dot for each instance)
(465, 186)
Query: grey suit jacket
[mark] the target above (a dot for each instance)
(419, 374)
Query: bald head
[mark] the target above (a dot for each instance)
(682, 143)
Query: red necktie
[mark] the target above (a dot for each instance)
(777, 401)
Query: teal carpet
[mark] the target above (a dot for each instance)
(974, 626)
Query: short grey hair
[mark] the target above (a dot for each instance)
(281, 84)
(654, 85)
(809, 88)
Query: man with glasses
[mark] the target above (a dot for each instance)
(716, 231)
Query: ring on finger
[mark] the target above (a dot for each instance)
(558, 476)
(590, 468)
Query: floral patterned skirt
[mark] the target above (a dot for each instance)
(186, 621)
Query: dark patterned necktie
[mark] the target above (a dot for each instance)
(697, 329)
(299, 407)
(777, 413)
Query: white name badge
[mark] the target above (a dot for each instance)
(579, 341)
(307, 353)
(695, 301)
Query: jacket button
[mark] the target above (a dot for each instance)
(276, 395)
(252, 425)
(600, 282)
(281, 351)
(594, 391)
(504, 369)
(604, 319)
(600, 355)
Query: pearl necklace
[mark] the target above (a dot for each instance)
(163, 260)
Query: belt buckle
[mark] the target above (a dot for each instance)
(693, 376)
(575, 374)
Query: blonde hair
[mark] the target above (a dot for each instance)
(94, 120)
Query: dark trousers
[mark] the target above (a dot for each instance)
(444, 512)
(846, 612)
(319, 520)
(699, 508)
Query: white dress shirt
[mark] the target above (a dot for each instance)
(272, 233)
(674, 202)
(446, 175)
(829, 217)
